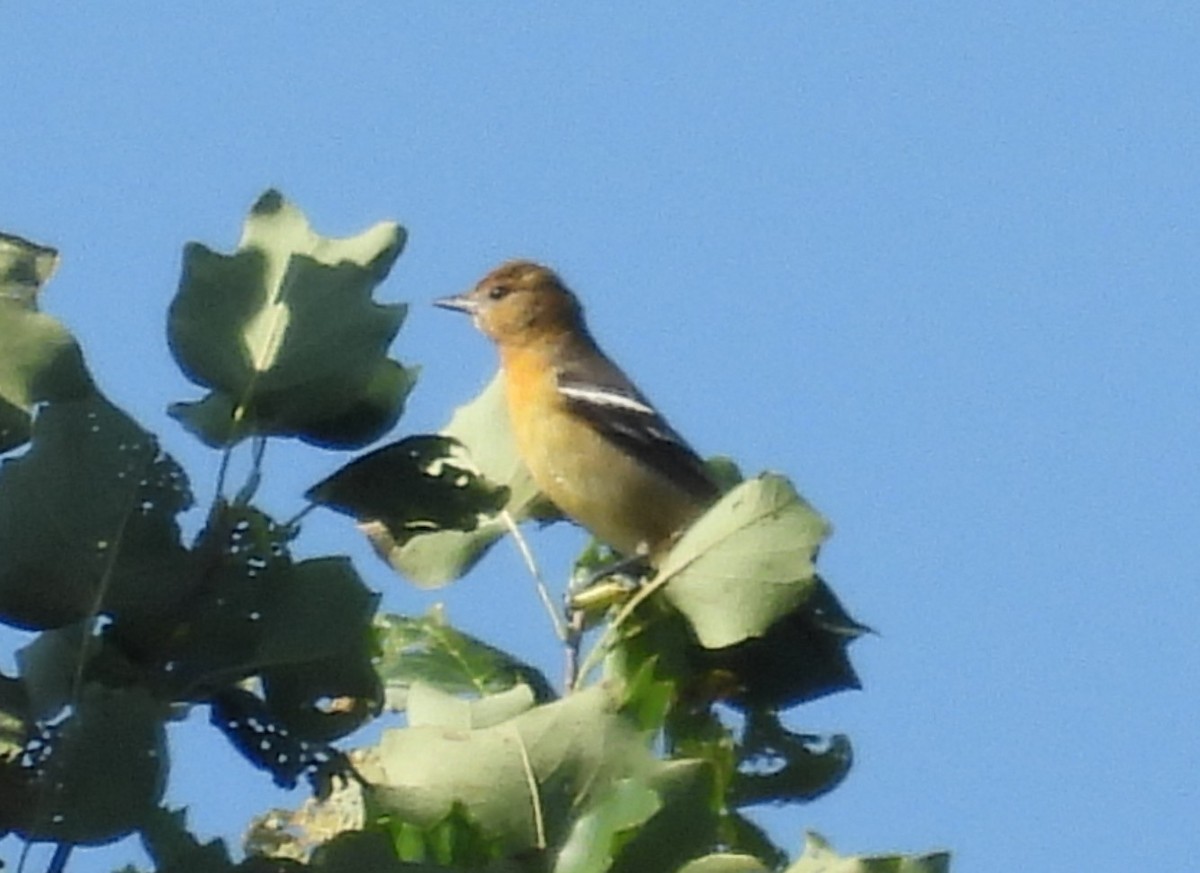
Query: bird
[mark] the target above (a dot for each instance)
(593, 444)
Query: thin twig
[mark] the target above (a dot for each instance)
(58, 863)
(560, 628)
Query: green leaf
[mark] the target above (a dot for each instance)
(598, 833)
(49, 665)
(684, 826)
(416, 485)
(724, 862)
(436, 558)
(173, 849)
(259, 610)
(745, 563)
(428, 650)
(819, 857)
(103, 770)
(537, 769)
(39, 359)
(285, 333)
(16, 715)
(803, 656)
(88, 520)
(429, 707)
(321, 701)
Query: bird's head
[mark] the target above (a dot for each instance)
(519, 302)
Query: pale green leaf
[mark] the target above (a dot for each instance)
(746, 563)
(39, 359)
(819, 857)
(518, 780)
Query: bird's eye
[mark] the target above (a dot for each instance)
(497, 292)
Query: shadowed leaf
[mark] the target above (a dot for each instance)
(88, 520)
(102, 771)
(416, 485)
(481, 426)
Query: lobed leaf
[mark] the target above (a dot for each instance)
(285, 334)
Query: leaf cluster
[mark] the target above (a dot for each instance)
(673, 722)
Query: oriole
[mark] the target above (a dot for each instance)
(591, 440)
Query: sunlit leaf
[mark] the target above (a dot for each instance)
(597, 834)
(482, 426)
(819, 857)
(16, 715)
(537, 768)
(88, 519)
(724, 863)
(39, 359)
(745, 563)
(684, 826)
(431, 707)
(286, 332)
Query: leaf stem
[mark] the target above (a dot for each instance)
(560, 628)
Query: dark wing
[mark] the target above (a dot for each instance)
(601, 394)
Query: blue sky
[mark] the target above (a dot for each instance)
(934, 261)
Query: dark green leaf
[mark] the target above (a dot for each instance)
(259, 610)
(102, 771)
(88, 520)
(776, 765)
(416, 485)
(433, 559)
(324, 700)
(427, 649)
(286, 330)
(173, 849)
(801, 657)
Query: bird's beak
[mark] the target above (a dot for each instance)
(460, 302)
